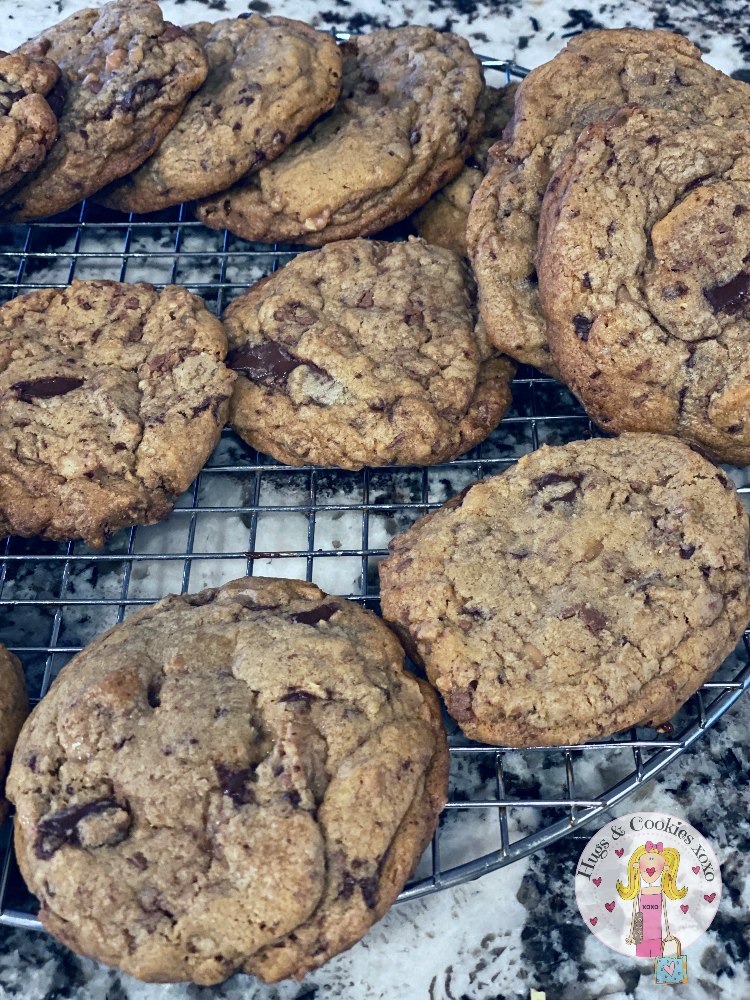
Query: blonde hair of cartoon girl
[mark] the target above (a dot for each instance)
(648, 866)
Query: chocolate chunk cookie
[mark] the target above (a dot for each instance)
(112, 396)
(593, 76)
(242, 778)
(589, 588)
(14, 707)
(364, 353)
(268, 80)
(28, 126)
(405, 123)
(442, 220)
(644, 270)
(127, 74)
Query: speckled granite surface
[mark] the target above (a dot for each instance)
(517, 928)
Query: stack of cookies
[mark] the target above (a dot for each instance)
(244, 778)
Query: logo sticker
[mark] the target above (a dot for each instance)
(648, 885)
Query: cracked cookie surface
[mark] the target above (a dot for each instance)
(28, 125)
(364, 353)
(644, 271)
(405, 122)
(112, 397)
(590, 588)
(268, 80)
(237, 779)
(590, 79)
(442, 221)
(126, 74)
(14, 707)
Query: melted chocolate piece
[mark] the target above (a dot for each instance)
(236, 784)
(303, 696)
(268, 363)
(46, 387)
(315, 615)
(554, 479)
(730, 297)
(59, 828)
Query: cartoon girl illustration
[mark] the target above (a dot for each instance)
(652, 880)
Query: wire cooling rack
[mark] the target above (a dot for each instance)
(246, 513)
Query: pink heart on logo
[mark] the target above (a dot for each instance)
(609, 906)
(593, 921)
(650, 872)
(696, 869)
(668, 968)
(684, 907)
(711, 898)
(597, 882)
(620, 852)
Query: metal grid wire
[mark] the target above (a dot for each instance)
(248, 514)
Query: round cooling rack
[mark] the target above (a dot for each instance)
(248, 514)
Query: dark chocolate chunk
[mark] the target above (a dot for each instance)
(369, 887)
(137, 95)
(59, 828)
(730, 297)
(303, 696)
(582, 325)
(593, 620)
(320, 614)
(555, 479)
(46, 387)
(686, 551)
(236, 784)
(268, 363)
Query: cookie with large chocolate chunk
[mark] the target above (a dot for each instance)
(28, 126)
(644, 274)
(14, 707)
(590, 588)
(268, 80)
(112, 396)
(126, 74)
(442, 221)
(364, 353)
(242, 778)
(591, 78)
(404, 125)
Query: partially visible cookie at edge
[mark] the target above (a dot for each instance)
(365, 353)
(14, 707)
(268, 80)
(405, 123)
(238, 779)
(442, 220)
(112, 396)
(28, 125)
(596, 73)
(126, 74)
(644, 274)
(590, 588)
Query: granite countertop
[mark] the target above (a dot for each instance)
(517, 928)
